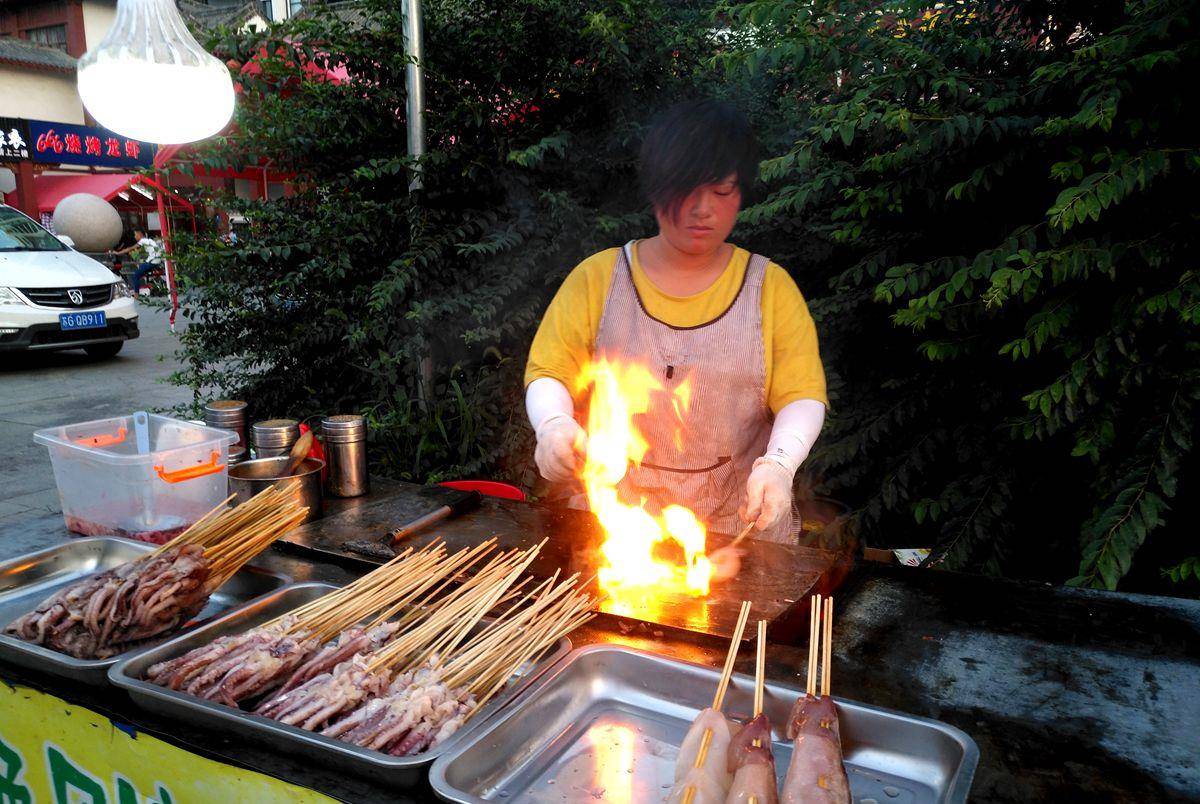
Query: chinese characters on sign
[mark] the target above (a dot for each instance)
(14, 140)
(53, 752)
(63, 143)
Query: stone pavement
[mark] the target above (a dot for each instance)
(43, 389)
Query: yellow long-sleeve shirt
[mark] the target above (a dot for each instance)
(567, 334)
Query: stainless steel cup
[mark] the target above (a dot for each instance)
(345, 441)
(274, 437)
(228, 414)
(250, 477)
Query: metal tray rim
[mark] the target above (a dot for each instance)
(958, 788)
(12, 647)
(140, 689)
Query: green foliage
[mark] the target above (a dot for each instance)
(990, 207)
(993, 205)
(417, 308)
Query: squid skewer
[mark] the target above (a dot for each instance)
(816, 774)
(750, 757)
(702, 771)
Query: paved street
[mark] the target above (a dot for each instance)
(43, 389)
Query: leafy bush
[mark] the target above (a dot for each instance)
(988, 205)
(354, 294)
(999, 198)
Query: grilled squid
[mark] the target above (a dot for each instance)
(816, 774)
(752, 766)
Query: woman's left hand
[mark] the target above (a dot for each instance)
(768, 494)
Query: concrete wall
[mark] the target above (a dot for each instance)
(39, 95)
(98, 16)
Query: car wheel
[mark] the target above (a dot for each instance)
(104, 350)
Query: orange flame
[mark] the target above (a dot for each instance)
(618, 393)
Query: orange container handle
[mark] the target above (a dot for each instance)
(102, 440)
(213, 466)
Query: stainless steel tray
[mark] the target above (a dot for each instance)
(29, 579)
(606, 724)
(400, 771)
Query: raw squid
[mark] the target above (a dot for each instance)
(712, 778)
(708, 789)
(816, 774)
(715, 761)
(753, 766)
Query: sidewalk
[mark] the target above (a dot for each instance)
(43, 389)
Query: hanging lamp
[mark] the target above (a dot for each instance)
(149, 79)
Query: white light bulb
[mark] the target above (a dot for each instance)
(150, 80)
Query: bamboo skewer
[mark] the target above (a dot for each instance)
(731, 657)
(689, 793)
(745, 532)
(827, 666)
(760, 668)
(814, 644)
(760, 672)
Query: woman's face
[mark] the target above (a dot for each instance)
(705, 218)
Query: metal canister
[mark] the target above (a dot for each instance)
(345, 441)
(228, 414)
(304, 486)
(274, 437)
(236, 454)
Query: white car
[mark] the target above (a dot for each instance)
(53, 297)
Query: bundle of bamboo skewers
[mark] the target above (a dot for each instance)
(154, 595)
(396, 661)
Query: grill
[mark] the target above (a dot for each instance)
(94, 296)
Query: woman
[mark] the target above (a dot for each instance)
(694, 308)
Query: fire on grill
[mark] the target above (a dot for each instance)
(397, 661)
(152, 596)
(634, 570)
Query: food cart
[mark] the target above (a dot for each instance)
(1064, 693)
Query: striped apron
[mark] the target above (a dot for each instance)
(727, 424)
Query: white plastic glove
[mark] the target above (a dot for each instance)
(560, 443)
(768, 494)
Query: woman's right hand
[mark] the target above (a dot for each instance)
(561, 443)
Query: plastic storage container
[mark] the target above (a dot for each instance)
(147, 482)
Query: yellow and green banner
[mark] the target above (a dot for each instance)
(52, 752)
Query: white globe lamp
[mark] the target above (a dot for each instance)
(149, 79)
(90, 221)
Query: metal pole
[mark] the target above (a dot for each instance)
(414, 75)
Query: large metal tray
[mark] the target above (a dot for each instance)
(27, 580)
(606, 724)
(400, 771)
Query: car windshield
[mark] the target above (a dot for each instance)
(19, 233)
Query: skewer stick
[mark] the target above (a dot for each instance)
(814, 644)
(731, 657)
(745, 532)
(689, 793)
(760, 672)
(760, 667)
(827, 667)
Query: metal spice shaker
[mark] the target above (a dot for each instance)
(345, 441)
(274, 437)
(228, 414)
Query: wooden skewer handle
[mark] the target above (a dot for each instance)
(467, 502)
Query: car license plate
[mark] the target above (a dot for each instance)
(82, 320)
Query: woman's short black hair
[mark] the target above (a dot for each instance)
(696, 143)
